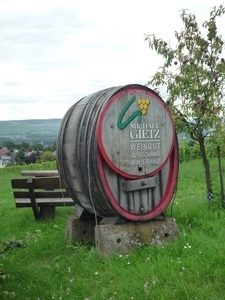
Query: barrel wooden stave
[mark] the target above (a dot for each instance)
(74, 168)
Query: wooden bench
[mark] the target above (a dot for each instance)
(43, 194)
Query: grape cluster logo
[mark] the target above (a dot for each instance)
(143, 105)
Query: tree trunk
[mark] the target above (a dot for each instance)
(207, 171)
(221, 176)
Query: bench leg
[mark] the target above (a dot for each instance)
(33, 199)
(47, 212)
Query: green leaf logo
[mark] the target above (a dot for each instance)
(123, 124)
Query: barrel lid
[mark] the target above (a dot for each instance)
(135, 132)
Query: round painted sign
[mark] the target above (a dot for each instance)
(135, 132)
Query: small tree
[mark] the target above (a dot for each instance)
(194, 73)
(20, 157)
(47, 156)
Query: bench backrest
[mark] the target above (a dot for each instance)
(43, 187)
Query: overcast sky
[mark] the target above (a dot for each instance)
(54, 52)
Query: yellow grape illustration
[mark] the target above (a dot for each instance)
(143, 104)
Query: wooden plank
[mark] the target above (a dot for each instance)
(42, 194)
(48, 183)
(133, 185)
(19, 183)
(45, 202)
(39, 173)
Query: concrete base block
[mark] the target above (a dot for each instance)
(122, 239)
(78, 230)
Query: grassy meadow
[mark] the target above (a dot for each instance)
(44, 267)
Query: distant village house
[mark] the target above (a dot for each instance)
(6, 157)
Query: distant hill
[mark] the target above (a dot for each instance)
(32, 131)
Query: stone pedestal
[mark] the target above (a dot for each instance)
(121, 239)
(79, 230)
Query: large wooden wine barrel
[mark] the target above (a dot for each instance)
(117, 153)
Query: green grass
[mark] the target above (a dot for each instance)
(190, 268)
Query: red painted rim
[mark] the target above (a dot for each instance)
(99, 129)
(168, 194)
